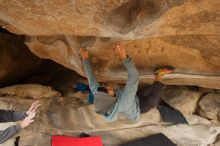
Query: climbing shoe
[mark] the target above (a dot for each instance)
(161, 71)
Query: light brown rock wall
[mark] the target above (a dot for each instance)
(182, 33)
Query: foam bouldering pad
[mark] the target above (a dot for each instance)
(153, 140)
(73, 141)
(170, 114)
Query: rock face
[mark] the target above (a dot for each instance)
(111, 18)
(209, 106)
(68, 116)
(195, 65)
(30, 90)
(181, 33)
(16, 61)
(182, 99)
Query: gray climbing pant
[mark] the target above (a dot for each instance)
(149, 96)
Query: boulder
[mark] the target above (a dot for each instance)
(182, 99)
(34, 91)
(154, 32)
(209, 106)
(16, 59)
(217, 142)
(146, 53)
(181, 33)
(68, 116)
(110, 18)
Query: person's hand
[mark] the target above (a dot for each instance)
(33, 108)
(28, 120)
(120, 51)
(84, 53)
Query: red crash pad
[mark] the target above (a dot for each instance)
(72, 141)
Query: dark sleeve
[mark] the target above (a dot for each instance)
(11, 116)
(9, 133)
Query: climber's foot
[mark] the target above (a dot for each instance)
(163, 70)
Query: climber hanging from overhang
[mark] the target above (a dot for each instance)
(109, 103)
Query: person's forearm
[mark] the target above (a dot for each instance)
(93, 84)
(9, 133)
(11, 116)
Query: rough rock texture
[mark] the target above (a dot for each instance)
(67, 116)
(111, 18)
(182, 99)
(30, 90)
(217, 142)
(195, 64)
(16, 61)
(209, 106)
(182, 33)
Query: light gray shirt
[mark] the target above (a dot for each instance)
(127, 101)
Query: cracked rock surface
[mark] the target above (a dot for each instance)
(67, 115)
(182, 33)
